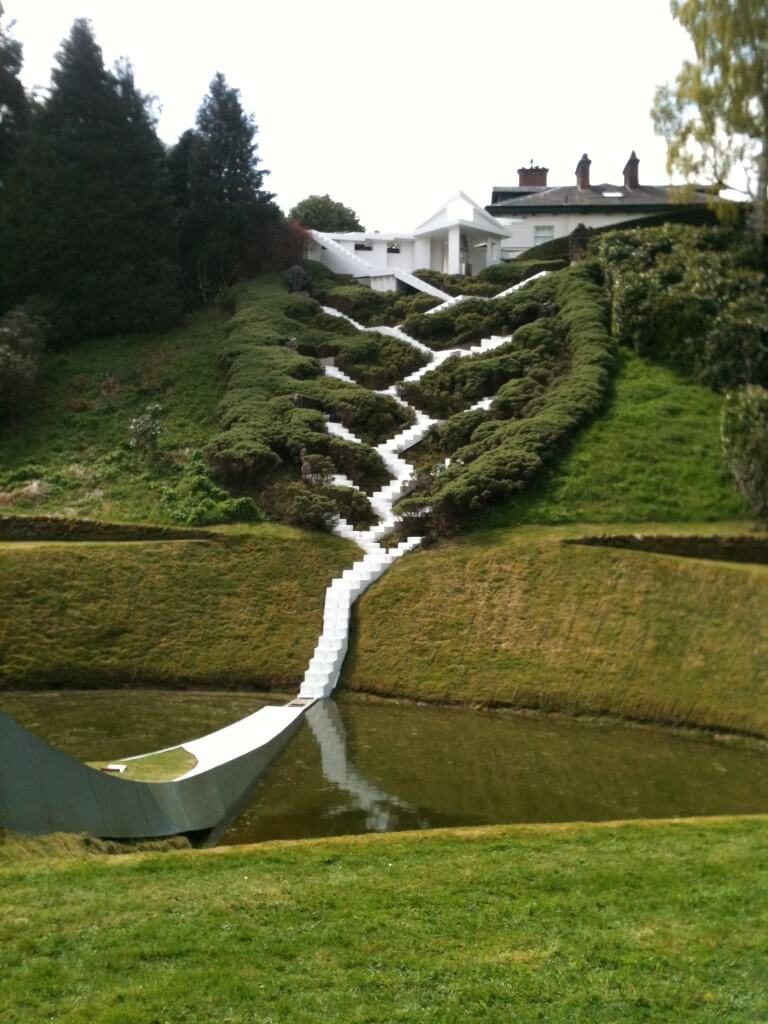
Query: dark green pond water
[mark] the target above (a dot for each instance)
(361, 767)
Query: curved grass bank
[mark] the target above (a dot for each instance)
(581, 924)
(517, 618)
(243, 610)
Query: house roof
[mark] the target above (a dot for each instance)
(604, 197)
(465, 212)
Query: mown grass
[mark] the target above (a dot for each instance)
(654, 453)
(517, 618)
(244, 610)
(581, 924)
(160, 767)
(73, 437)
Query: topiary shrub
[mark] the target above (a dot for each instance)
(744, 432)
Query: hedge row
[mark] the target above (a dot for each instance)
(695, 298)
(532, 422)
(474, 319)
(277, 398)
(492, 280)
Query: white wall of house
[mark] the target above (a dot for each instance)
(523, 234)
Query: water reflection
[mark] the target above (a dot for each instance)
(378, 806)
(360, 767)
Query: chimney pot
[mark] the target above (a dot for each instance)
(582, 172)
(631, 172)
(535, 176)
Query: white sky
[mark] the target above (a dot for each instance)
(392, 107)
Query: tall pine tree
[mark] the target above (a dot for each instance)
(13, 100)
(90, 216)
(229, 222)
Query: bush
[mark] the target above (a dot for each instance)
(197, 501)
(145, 430)
(22, 339)
(744, 430)
(692, 297)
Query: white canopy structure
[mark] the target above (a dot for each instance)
(459, 238)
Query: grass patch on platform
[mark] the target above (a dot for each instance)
(73, 437)
(517, 618)
(243, 610)
(163, 766)
(653, 454)
(577, 924)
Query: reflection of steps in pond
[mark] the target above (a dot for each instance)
(328, 729)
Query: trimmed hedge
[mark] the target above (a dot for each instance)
(277, 399)
(491, 280)
(469, 321)
(539, 413)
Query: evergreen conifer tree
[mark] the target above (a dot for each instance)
(90, 215)
(229, 222)
(13, 100)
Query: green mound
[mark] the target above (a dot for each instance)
(517, 618)
(243, 610)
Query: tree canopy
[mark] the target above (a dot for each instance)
(325, 214)
(88, 227)
(715, 116)
(227, 218)
(13, 101)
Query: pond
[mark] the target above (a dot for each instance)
(363, 766)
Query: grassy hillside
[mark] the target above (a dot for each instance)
(68, 453)
(242, 610)
(517, 618)
(576, 924)
(653, 454)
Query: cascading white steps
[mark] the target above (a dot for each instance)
(324, 668)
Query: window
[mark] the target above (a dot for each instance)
(543, 233)
(363, 247)
(393, 247)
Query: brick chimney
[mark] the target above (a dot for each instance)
(582, 172)
(532, 175)
(631, 173)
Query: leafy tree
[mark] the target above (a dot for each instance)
(744, 431)
(90, 224)
(324, 214)
(227, 216)
(13, 100)
(716, 115)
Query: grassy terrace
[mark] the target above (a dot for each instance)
(517, 618)
(579, 924)
(242, 610)
(654, 454)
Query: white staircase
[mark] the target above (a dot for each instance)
(324, 668)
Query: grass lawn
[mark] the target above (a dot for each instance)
(654, 454)
(72, 437)
(242, 610)
(514, 617)
(580, 924)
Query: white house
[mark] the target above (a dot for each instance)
(463, 238)
(534, 212)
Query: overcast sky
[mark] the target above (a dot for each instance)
(391, 107)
